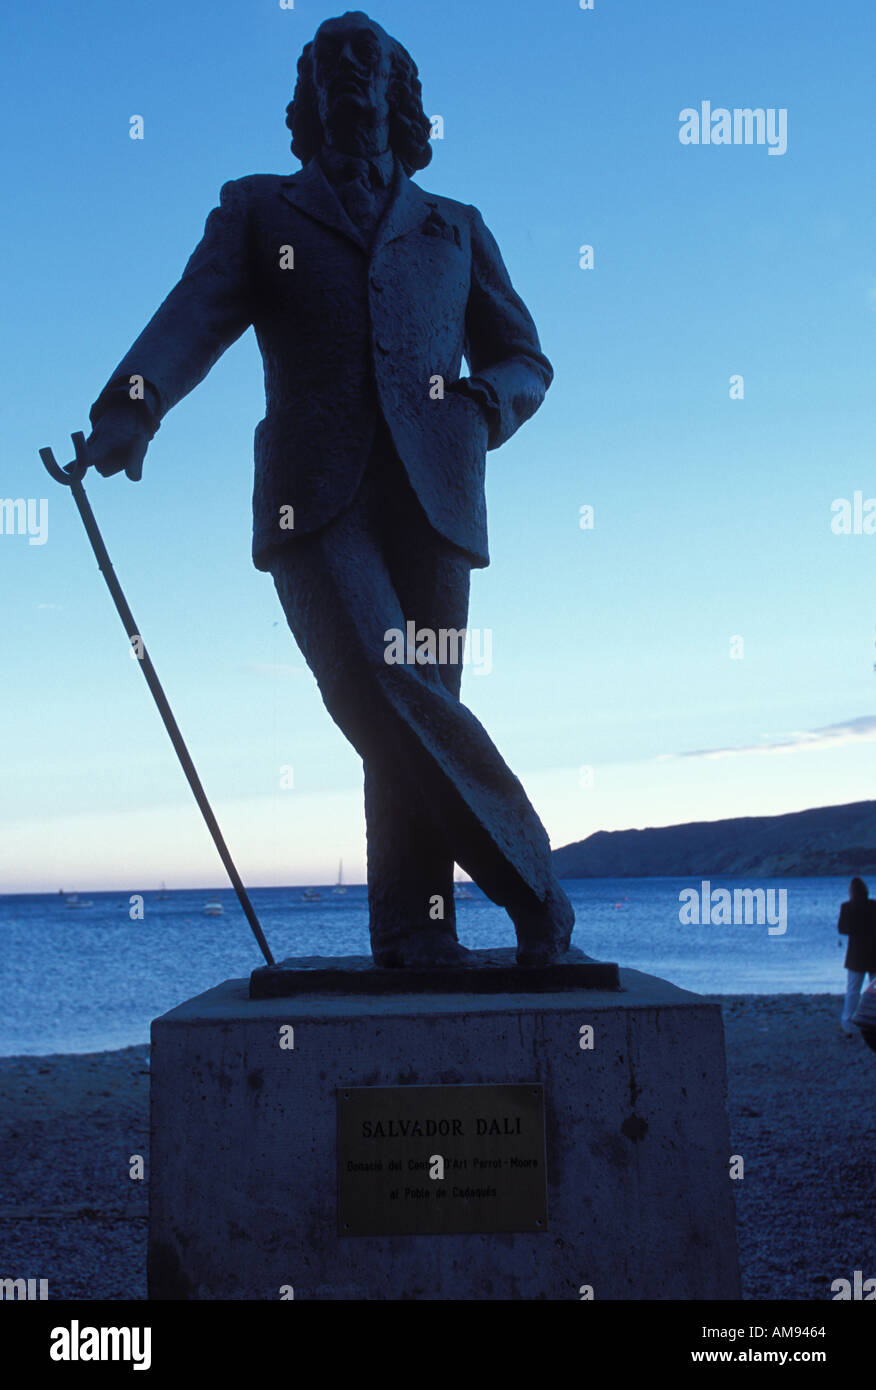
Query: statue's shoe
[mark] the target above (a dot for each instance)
(544, 935)
(422, 952)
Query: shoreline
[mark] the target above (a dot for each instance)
(710, 996)
(798, 1100)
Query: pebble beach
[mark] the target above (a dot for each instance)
(801, 1117)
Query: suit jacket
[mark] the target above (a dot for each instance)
(857, 921)
(348, 331)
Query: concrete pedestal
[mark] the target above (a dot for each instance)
(244, 1156)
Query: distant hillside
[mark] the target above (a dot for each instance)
(827, 840)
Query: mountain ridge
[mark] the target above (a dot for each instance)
(823, 840)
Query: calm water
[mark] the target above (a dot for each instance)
(89, 979)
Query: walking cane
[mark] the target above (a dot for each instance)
(71, 477)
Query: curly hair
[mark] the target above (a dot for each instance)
(409, 126)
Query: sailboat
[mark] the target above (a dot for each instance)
(73, 900)
(163, 895)
(339, 886)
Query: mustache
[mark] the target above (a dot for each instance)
(347, 79)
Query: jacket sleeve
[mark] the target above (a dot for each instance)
(208, 310)
(501, 346)
(842, 925)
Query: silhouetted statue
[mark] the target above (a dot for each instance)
(365, 292)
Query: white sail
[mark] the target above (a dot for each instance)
(339, 886)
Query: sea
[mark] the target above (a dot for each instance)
(90, 975)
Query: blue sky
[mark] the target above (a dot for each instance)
(611, 647)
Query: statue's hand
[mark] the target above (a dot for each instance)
(118, 442)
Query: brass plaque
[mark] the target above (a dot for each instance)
(441, 1160)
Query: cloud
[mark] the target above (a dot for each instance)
(860, 730)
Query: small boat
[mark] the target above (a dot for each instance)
(74, 900)
(339, 886)
(311, 895)
(163, 894)
(213, 908)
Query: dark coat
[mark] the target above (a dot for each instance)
(857, 921)
(347, 332)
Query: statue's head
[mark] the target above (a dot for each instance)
(354, 78)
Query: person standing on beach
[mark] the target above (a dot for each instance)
(857, 921)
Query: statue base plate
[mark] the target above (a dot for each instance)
(488, 972)
(270, 1177)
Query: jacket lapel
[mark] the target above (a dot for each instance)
(407, 209)
(310, 191)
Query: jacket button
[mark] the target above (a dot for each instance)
(383, 346)
(375, 284)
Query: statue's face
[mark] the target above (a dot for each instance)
(351, 70)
